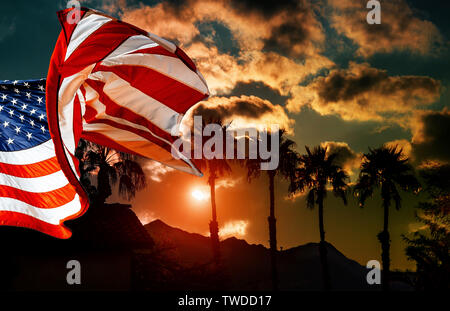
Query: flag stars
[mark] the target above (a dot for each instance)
(15, 82)
(1, 108)
(41, 88)
(5, 124)
(21, 117)
(39, 99)
(26, 84)
(4, 96)
(33, 111)
(11, 112)
(43, 129)
(17, 129)
(14, 102)
(24, 106)
(29, 136)
(32, 123)
(41, 117)
(17, 91)
(10, 141)
(28, 95)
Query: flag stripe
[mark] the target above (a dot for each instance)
(42, 168)
(135, 106)
(35, 184)
(50, 215)
(169, 68)
(85, 27)
(48, 199)
(97, 46)
(11, 218)
(37, 154)
(134, 43)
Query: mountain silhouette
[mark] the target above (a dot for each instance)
(248, 265)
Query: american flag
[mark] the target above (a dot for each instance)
(34, 192)
(118, 86)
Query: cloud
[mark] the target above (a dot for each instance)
(346, 157)
(279, 42)
(223, 71)
(227, 182)
(236, 228)
(155, 170)
(244, 112)
(400, 29)
(365, 93)
(431, 131)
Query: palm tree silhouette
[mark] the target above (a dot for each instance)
(388, 169)
(215, 168)
(112, 166)
(316, 170)
(287, 163)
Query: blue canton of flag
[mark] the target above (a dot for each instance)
(34, 192)
(23, 120)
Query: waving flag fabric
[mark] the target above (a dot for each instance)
(119, 86)
(34, 192)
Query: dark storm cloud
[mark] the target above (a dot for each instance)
(362, 92)
(243, 111)
(249, 107)
(431, 137)
(340, 85)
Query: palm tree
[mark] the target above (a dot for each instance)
(287, 163)
(316, 170)
(111, 166)
(388, 169)
(215, 168)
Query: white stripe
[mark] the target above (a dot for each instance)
(122, 137)
(36, 184)
(123, 94)
(85, 27)
(49, 215)
(114, 133)
(92, 98)
(132, 44)
(169, 66)
(66, 96)
(169, 46)
(36, 154)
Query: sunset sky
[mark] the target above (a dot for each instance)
(314, 67)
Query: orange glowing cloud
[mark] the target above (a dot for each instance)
(400, 29)
(236, 228)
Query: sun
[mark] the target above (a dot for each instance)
(199, 195)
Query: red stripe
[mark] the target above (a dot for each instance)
(21, 220)
(50, 199)
(66, 27)
(141, 133)
(164, 89)
(38, 169)
(51, 98)
(155, 50)
(113, 109)
(97, 46)
(185, 59)
(101, 139)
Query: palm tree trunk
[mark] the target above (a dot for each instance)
(384, 239)
(323, 249)
(273, 232)
(213, 225)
